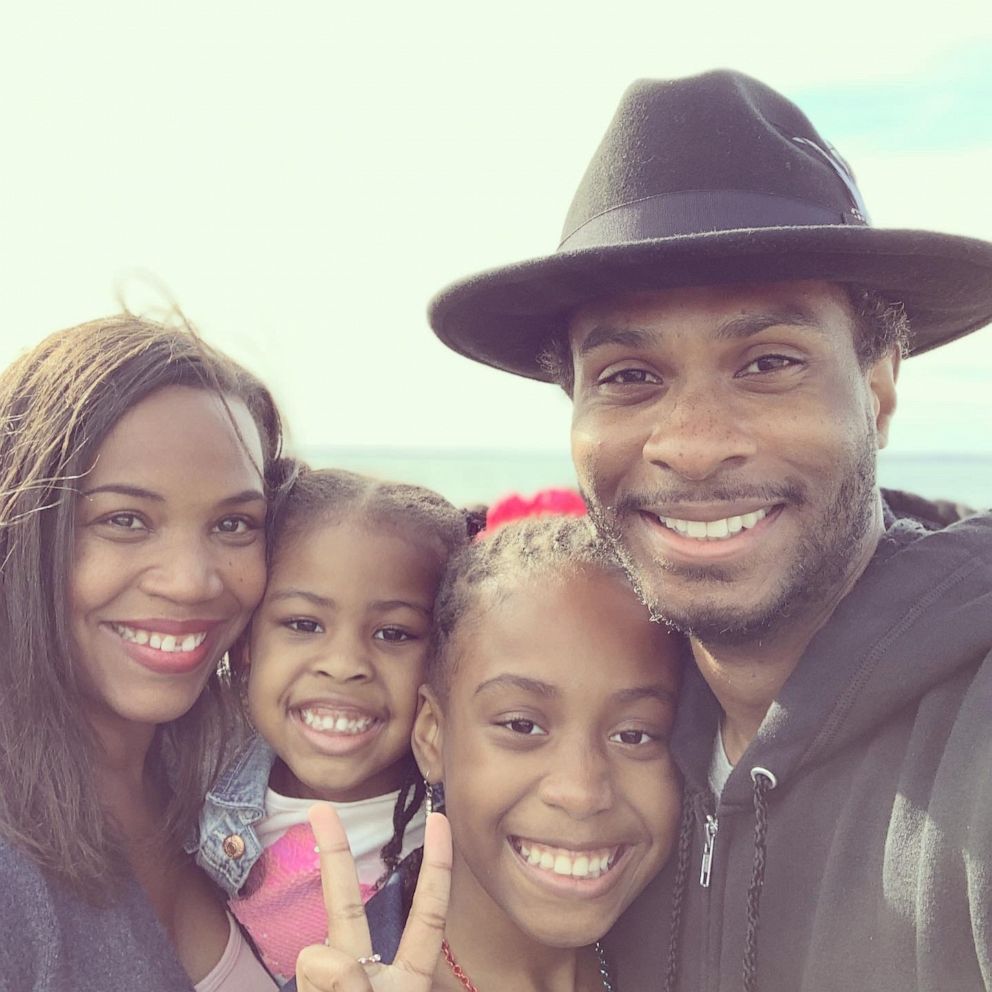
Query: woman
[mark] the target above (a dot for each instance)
(134, 470)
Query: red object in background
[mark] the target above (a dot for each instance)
(562, 502)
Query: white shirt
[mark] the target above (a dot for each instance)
(720, 767)
(367, 822)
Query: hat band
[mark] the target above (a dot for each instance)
(700, 211)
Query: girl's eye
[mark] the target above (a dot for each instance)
(234, 525)
(301, 625)
(631, 737)
(769, 363)
(393, 634)
(528, 728)
(631, 377)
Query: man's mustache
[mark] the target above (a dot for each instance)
(791, 493)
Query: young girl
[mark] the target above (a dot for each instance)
(549, 701)
(335, 655)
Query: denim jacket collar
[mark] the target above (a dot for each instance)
(243, 783)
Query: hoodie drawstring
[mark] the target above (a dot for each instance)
(683, 855)
(763, 781)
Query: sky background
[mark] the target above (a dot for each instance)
(301, 177)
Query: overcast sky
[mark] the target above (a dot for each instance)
(303, 176)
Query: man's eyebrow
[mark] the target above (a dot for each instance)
(636, 693)
(748, 324)
(534, 686)
(742, 326)
(603, 335)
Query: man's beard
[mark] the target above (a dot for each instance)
(820, 567)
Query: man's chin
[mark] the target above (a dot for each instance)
(713, 619)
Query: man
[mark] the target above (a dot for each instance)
(730, 330)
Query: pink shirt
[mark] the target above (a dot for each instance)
(282, 904)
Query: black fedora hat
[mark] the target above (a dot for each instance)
(711, 180)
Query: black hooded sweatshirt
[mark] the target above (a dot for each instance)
(868, 864)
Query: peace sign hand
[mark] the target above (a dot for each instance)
(335, 967)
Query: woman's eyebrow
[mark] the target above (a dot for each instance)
(137, 492)
(120, 489)
(518, 682)
(246, 496)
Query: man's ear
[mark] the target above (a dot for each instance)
(428, 737)
(882, 377)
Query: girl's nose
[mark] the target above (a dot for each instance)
(347, 658)
(578, 781)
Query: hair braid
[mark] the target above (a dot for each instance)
(408, 802)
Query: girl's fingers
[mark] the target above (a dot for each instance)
(323, 969)
(347, 927)
(420, 945)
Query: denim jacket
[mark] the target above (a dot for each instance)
(228, 845)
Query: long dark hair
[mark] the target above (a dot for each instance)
(58, 403)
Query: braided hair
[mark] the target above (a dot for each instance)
(305, 494)
(485, 569)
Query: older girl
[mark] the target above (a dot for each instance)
(546, 716)
(133, 464)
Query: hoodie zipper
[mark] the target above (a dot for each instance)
(709, 842)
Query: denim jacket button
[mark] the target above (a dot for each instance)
(234, 846)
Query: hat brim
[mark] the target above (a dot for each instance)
(506, 317)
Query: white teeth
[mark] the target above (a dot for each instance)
(337, 723)
(717, 528)
(566, 863)
(169, 643)
(714, 530)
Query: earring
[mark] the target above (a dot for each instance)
(434, 796)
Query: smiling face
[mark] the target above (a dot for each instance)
(169, 554)
(725, 440)
(337, 653)
(552, 745)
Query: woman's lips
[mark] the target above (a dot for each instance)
(168, 647)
